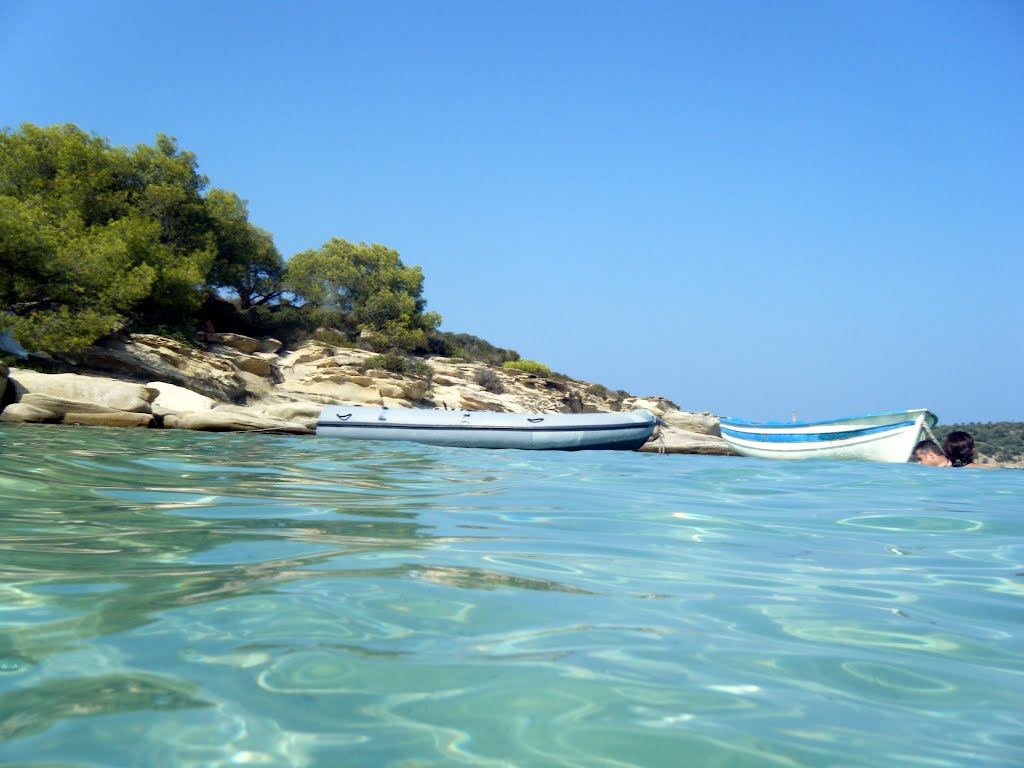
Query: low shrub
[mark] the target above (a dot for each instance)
(396, 362)
(529, 366)
(469, 347)
(613, 396)
(490, 381)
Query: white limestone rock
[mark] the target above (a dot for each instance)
(307, 354)
(156, 357)
(336, 389)
(671, 440)
(28, 414)
(259, 366)
(63, 405)
(389, 389)
(244, 344)
(270, 344)
(689, 421)
(304, 413)
(480, 401)
(224, 420)
(294, 410)
(113, 393)
(171, 397)
(111, 419)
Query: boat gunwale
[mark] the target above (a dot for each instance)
(779, 425)
(646, 426)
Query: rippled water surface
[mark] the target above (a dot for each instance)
(186, 599)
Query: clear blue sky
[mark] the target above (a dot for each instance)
(747, 207)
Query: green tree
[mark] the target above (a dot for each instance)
(247, 263)
(370, 287)
(164, 193)
(93, 237)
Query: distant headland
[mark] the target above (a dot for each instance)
(233, 382)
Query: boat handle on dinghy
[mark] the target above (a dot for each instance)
(537, 420)
(343, 418)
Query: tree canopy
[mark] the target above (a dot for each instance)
(370, 287)
(248, 263)
(96, 238)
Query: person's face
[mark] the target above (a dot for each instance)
(930, 459)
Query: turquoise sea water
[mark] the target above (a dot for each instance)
(186, 599)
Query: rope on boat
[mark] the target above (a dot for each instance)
(931, 436)
(659, 436)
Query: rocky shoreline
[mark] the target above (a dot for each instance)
(240, 383)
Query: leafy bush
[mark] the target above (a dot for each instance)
(470, 348)
(62, 329)
(393, 334)
(489, 380)
(600, 390)
(529, 366)
(396, 362)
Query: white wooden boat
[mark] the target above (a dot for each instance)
(888, 437)
(490, 429)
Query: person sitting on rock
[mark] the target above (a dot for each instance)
(205, 333)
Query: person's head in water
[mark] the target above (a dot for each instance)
(928, 452)
(959, 448)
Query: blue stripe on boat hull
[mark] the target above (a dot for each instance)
(614, 438)
(388, 426)
(810, 437)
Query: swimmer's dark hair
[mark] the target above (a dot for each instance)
(959, 448)
(928, 446)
